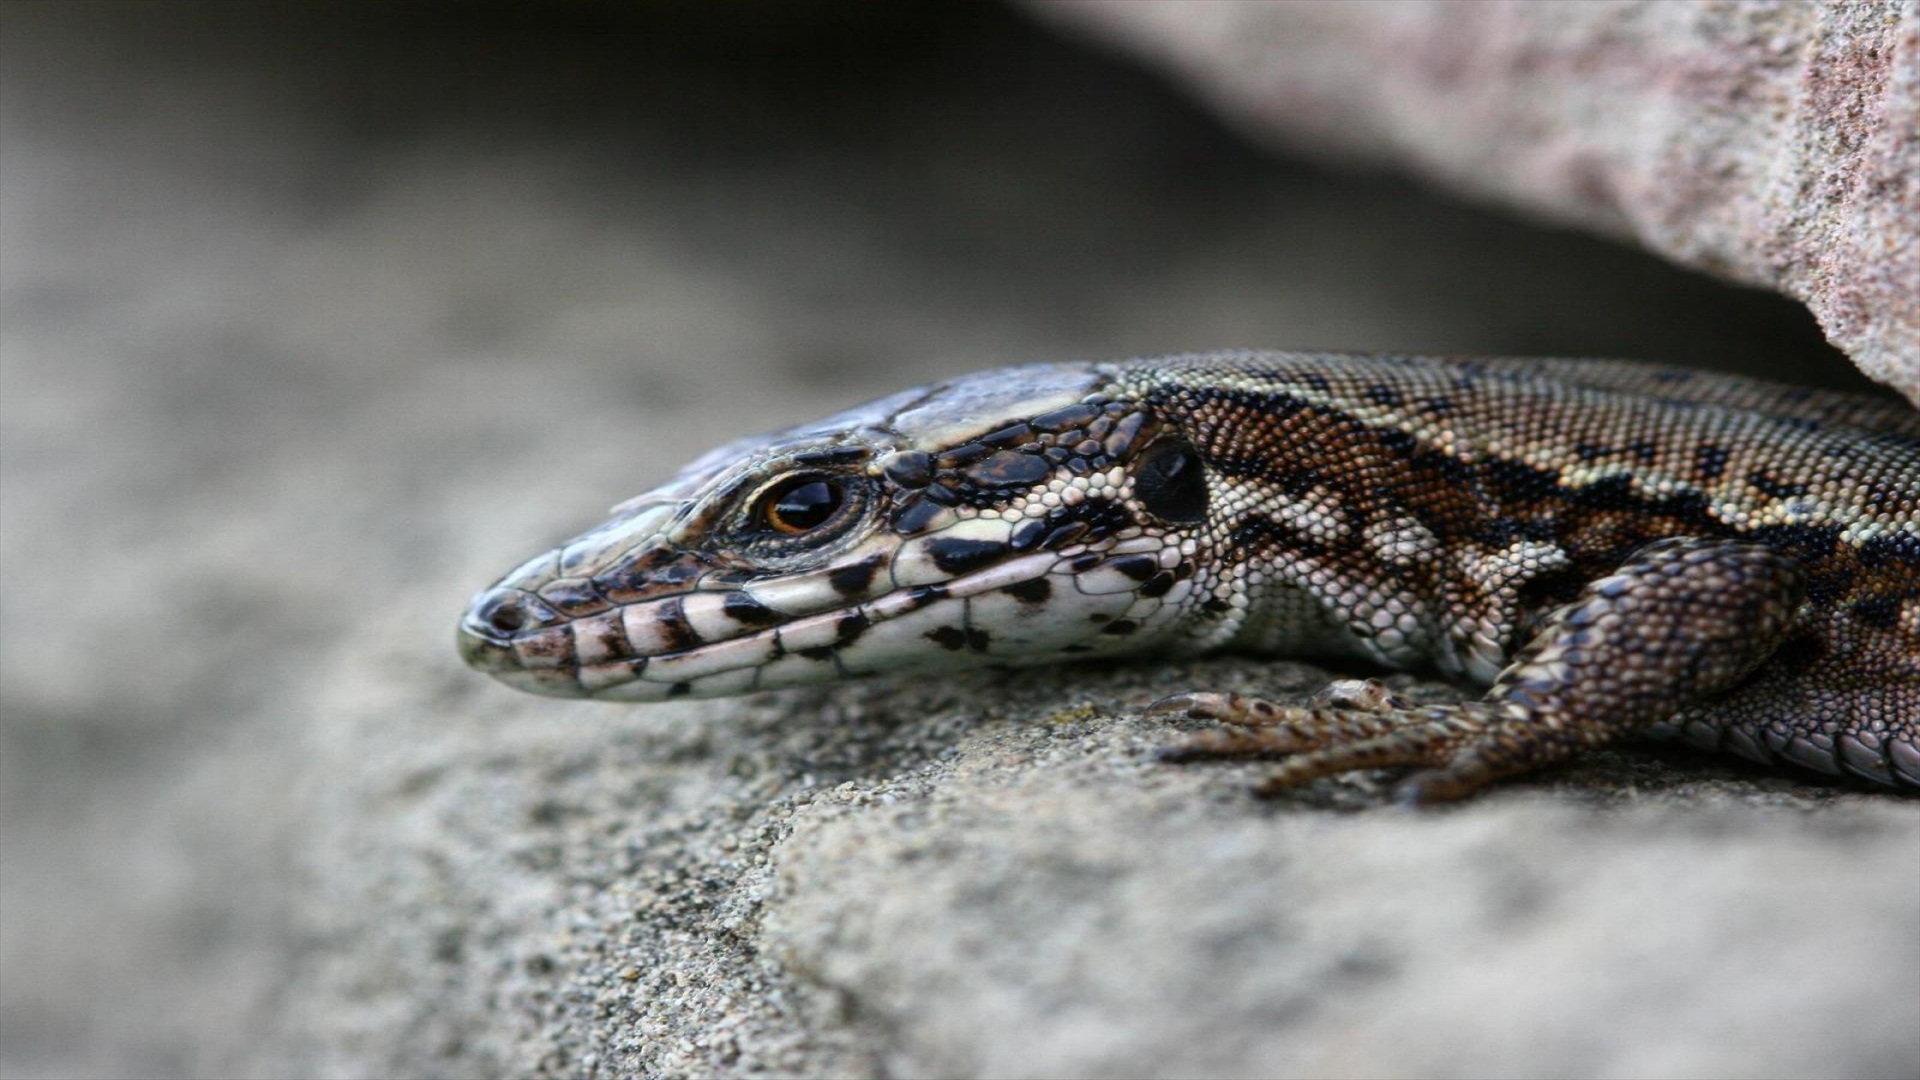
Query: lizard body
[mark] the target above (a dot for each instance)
(1609, 547)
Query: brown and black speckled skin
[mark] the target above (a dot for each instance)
(1734, 561)
(1610, 547)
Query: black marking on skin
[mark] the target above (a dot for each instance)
(1646, 450)
(680, 689)
(1216, 606)
(1064, 419)
(849, 628)
(1028, 534)
(1398, 442)
(963, 455)
(955, 556)
(747, 611)
(817, 652)
(854, 578)
(916, 516)
(1436, 406)
(1256, 532)
(956, 638)
(1157, 585)
(1903, 548)
(1063, 535)
(1710, 461)
(1083, 563)
(1137, 567)
(942, 495)
(1518, 482)
(909, 469)
(1036, 591)
(1590, 451)
(1775, 489)
(1807, 542)
(671, 615)
(1383, 395)
(1120, 627)
(1881, 612)
(1009, 468)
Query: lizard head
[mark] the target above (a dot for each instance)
(1017, 516)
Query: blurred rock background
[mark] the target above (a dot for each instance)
(315, 318)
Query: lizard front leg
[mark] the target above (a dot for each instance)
(1680, 621)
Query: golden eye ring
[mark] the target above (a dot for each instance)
(800, 504)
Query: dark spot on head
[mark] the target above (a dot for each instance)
(909, 469)
(1900, 547)
(1009, 468)
(849, 627)
(853, 579)
(1028, 534)
(1137, 567)
(1710, 461)
(1878, 611)
(948, 637)
(1646, 450)
(671, 615)
(1083, 563)
(1216, 606)
(1588, 451)
(817, 652)
(916, 515)
(957, 556)
(1036, 591)
(1157, 585)
(1775, 489)
(1120, 627)
(965, 454)
(680, 689)
(747, 611)
(1383, 395)
(1396, 441)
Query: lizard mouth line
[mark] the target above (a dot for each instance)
(599, 656)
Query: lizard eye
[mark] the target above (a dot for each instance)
(800, 504)
(1170, 484)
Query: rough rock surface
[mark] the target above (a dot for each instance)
(1773, 142)
(317, 318)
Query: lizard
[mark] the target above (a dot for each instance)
(1605, 548)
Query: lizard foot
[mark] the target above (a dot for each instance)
(1681, 621)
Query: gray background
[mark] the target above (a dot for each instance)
(317, 318)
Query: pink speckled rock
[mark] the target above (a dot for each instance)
(1776, 143)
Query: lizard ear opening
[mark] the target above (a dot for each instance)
(1170, 483)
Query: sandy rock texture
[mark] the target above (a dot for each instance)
(315, 319)
(1775, 143)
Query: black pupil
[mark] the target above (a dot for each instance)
(805, 505)
(1171, 484)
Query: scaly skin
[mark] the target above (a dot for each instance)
(1610, 547)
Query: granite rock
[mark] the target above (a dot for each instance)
(1774, 143)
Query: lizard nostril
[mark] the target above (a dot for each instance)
(505, 614)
